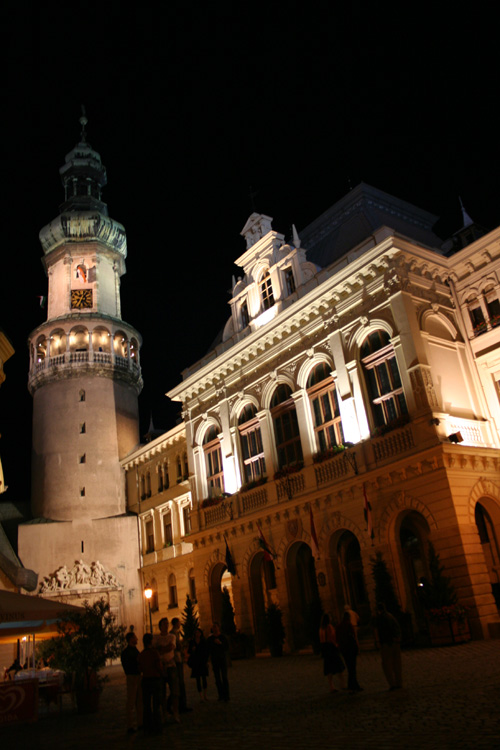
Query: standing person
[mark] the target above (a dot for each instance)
(389, 640)
(198, 661)
(332, 662)
(165, 643)
(130, 664)
(349, 648)
(179, 663)
(152, 678)
(218, 648)
(354, 617)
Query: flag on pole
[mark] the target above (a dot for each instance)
(229, 559)
(368, 514)
(43, 301)
(314, 538)
(268, 552)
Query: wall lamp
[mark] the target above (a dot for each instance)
(456, 437)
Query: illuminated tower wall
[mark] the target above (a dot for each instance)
(85, 378)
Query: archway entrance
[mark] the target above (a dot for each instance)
(491, 550)
(350, 577)
(262, 582)
(219, 578)
(302, 594)
(414, 537)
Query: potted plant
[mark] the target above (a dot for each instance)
(85, 642)
(275, 629)
(447, 620)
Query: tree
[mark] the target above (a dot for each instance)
(86, 640)
(439, 591)
(384, 589)
(227, 625)
(190, 621)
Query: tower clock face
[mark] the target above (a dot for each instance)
(81, 298)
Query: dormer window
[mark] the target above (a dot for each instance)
(289, 281)
(266, 291)
(245, 318)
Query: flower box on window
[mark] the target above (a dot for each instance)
(253, 484)
(325, 455)
(392, 425)
(290, 469)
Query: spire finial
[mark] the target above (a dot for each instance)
(83, 121)
(465, 216)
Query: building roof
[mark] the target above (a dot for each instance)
(356, 216)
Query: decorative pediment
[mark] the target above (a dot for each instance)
(256, 227)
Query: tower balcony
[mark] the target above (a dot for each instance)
(102, 347)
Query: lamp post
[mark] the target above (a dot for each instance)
(148, 593)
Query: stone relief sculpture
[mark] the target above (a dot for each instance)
(78, 576)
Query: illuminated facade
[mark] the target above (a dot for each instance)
(158, 491)
(85, 378)
(365, 333)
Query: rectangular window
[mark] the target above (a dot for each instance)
(150, 537)
(186, 517)
(167, 529)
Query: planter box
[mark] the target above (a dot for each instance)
(447, 632)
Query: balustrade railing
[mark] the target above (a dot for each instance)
(395, 443)
(84, 357)
(253, 499)
(328, 471)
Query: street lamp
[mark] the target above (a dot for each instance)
(148, 593)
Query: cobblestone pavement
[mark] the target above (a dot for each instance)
(451, 699)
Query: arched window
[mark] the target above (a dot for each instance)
(185, 470)
(383, 379)
(172, 591)
(325, 408)
(286, 427)
(254, 465)
(213, 459)
(266, 291)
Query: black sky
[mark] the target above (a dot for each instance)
(191, 104)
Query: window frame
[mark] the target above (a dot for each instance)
(279, 411)
(331, 427)
(380, 368)
(251, 447)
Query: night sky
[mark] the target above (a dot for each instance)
(192, 107)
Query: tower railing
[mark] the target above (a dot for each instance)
(84, 358)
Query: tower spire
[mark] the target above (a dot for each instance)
(83, 122)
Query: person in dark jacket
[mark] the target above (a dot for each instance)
(152, 682)
(349, 648)
(218, 648)
(130, 664)
(198, 661)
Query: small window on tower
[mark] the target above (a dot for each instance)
(83, 459)
(82, 491)
(82, 428)
(82, 395)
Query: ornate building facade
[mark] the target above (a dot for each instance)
(85, 378)
(351, 406)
